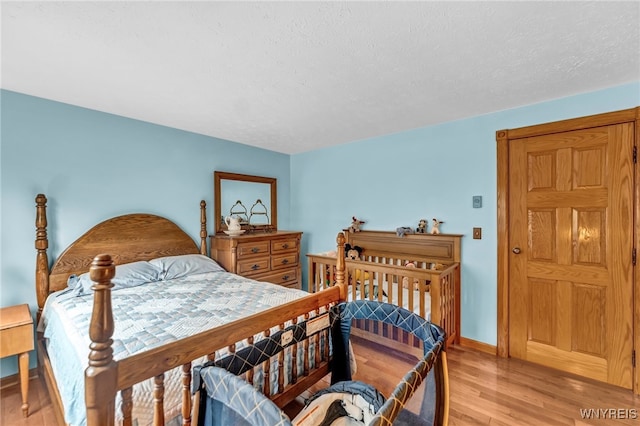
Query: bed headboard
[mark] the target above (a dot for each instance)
(443, 248)
(126, 238)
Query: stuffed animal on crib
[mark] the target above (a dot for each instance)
(354, 253)
(438, 266)
(405, 280)
(435, 229)
(404, 230)
(355, 224)
(422, 227)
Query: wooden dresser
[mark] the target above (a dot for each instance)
(264, 256)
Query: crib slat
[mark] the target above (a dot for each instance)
(444, 284)
(266, 382)
(332, 276)
(449, 308)
(186, 394)
(421, 302)
(231, 349)
(411, 287)
(386, 285)
(250, 371)
(326, 345)
(280, 368)
(399, 289)
(127, 406)
(294, 359)
(158, 400)
(354, 286)
(357, 288)
(436, 293)
(306, 351)
(313, 278)
(316, 340)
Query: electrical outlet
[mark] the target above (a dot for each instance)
(477, 233)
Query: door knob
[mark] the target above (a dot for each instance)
(516, 250)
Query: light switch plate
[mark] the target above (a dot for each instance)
(477, 201)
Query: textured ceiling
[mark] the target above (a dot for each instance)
(297, 76)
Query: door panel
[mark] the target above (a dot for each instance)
(570, 282)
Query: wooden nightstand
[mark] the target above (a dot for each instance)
(16, 338)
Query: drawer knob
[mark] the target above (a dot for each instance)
(285, 245)
(255, 250)
(285, 261)
(285, 277)
(255, 266)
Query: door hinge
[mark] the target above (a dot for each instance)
(633, 257)
(635, 154)
(633, 358)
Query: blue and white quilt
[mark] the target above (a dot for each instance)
(147, 316)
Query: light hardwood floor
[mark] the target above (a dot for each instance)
(485, 390)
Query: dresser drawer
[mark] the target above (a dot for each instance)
(285, 277)
(282, 245)
(252, 249)
(253, 266)
(284, 260)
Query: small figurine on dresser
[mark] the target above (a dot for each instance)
(422, 227)
(435, 229)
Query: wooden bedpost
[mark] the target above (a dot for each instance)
(42, 261)
(203, 227)
(101, 374)
(340, 240)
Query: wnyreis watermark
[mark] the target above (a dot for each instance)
(609, 413)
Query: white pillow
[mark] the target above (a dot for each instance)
(127, 275)
(186, 264)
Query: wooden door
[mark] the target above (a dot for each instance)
(571, 241)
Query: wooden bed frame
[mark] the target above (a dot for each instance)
(136, 237)
(383, 255)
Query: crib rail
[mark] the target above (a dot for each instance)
(420, 290)
(105, 376)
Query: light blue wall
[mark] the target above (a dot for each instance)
(70, 153)
(93, 166)
(395, 180)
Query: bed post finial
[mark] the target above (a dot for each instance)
(203, 227)
(42, 244)
(100, 375)
(340, 240)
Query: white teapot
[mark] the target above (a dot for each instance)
(233, 223)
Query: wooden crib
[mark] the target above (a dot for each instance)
(431, 289)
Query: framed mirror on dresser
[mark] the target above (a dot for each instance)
(251, 199)
(247, 240)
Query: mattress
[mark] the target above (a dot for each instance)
(145, 317)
